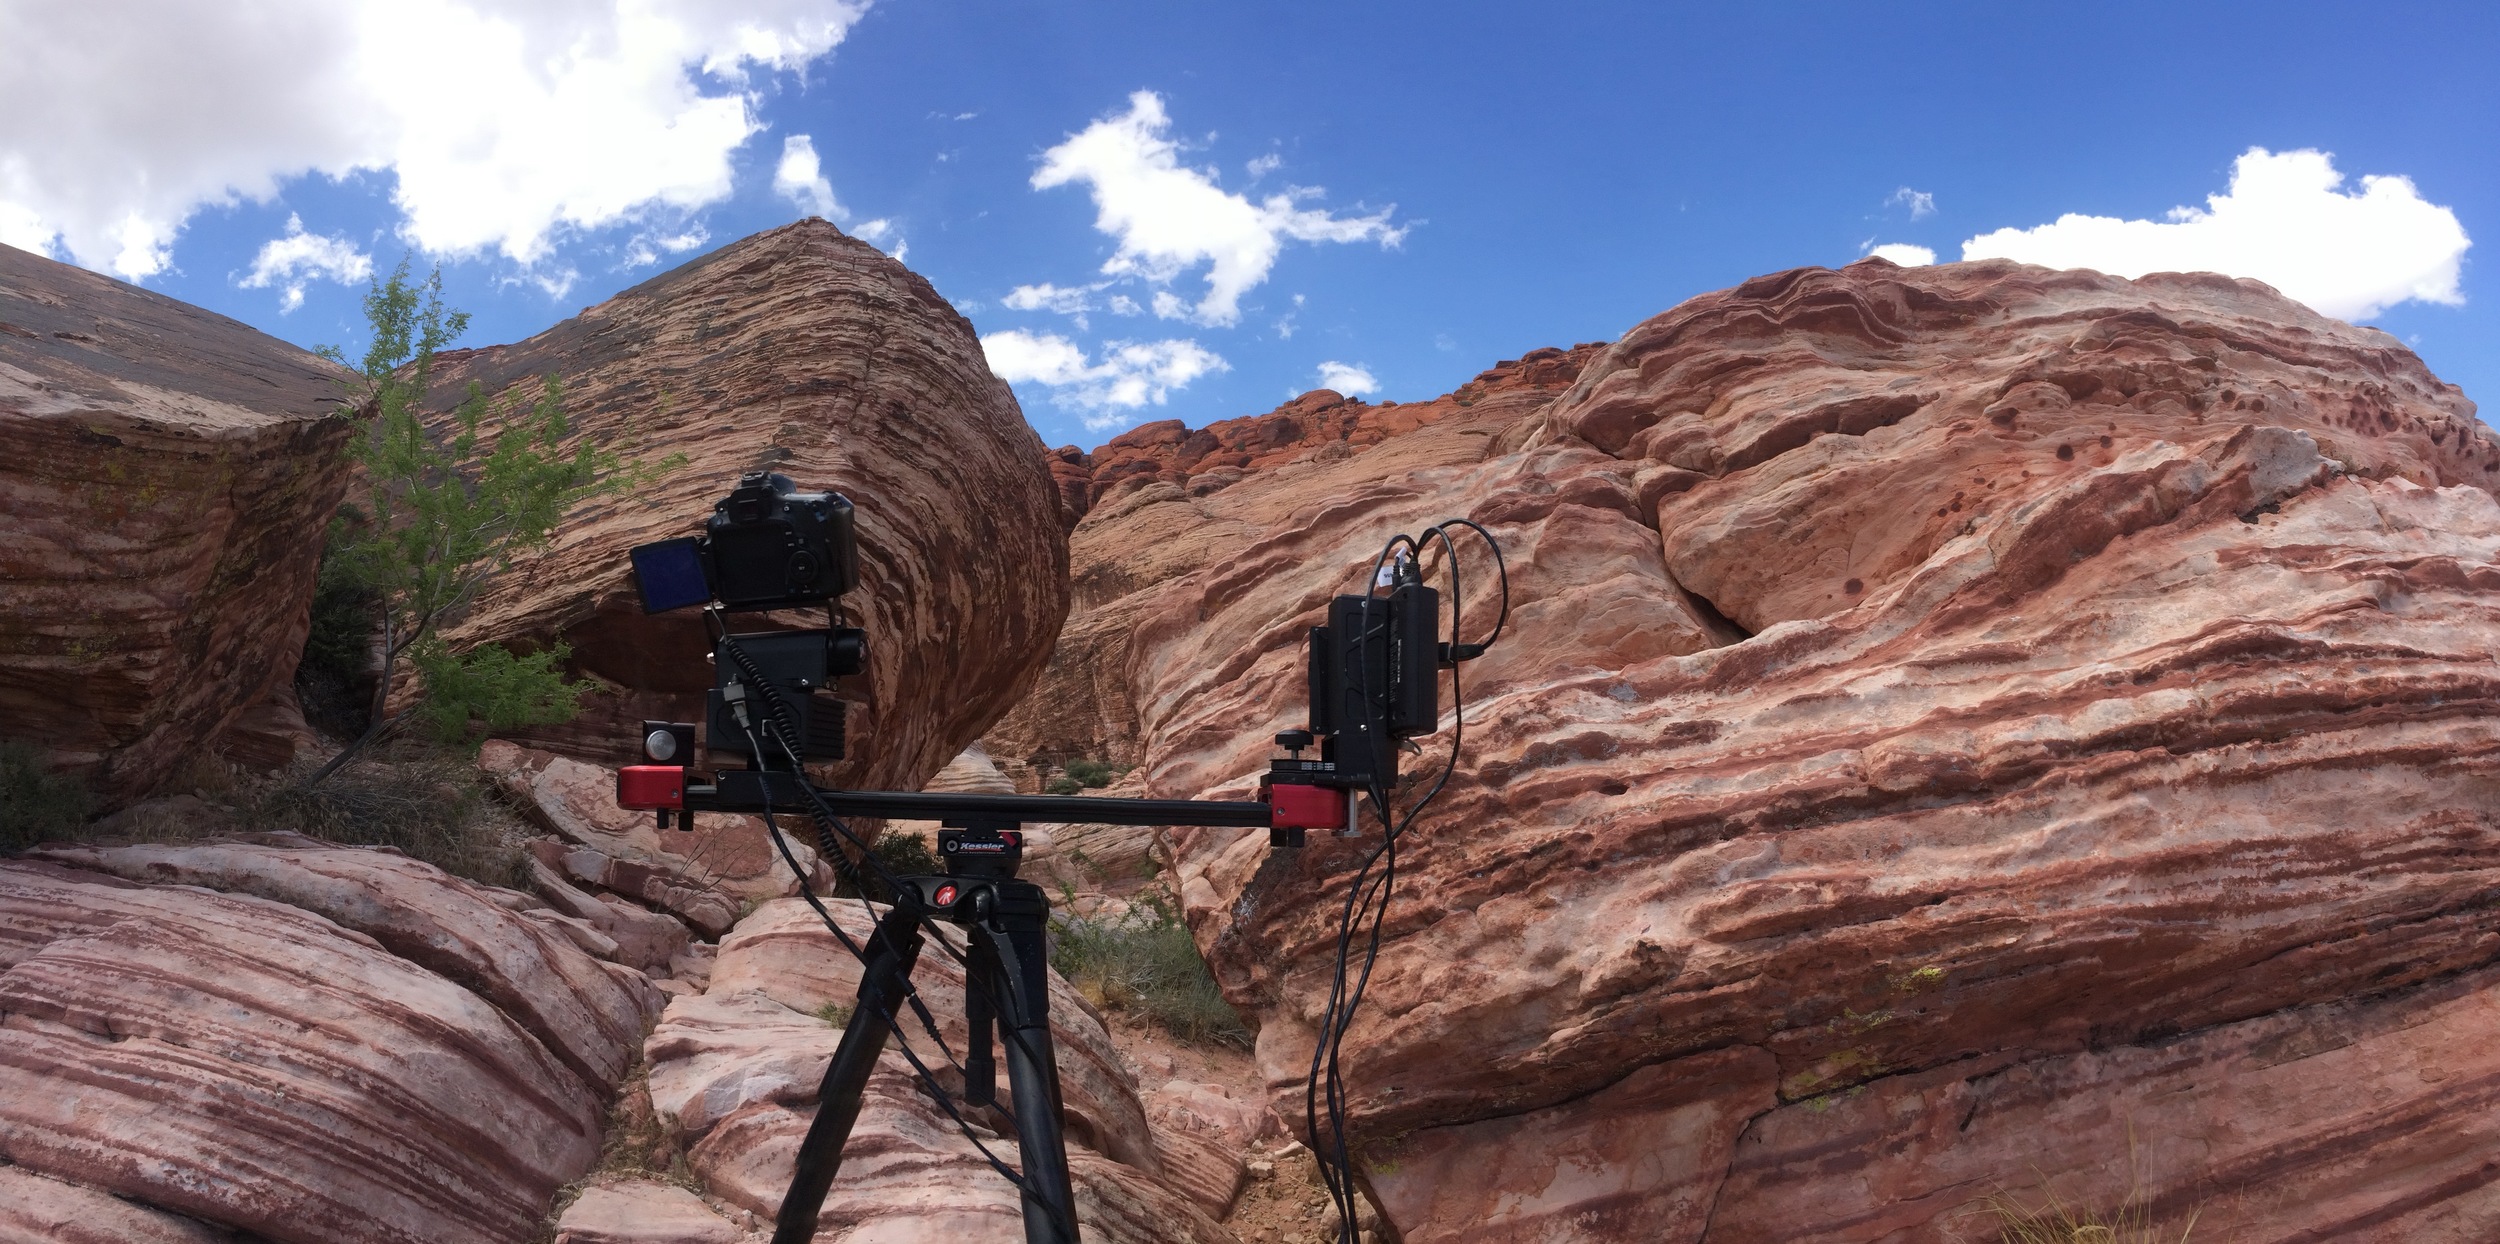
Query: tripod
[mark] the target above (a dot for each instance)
(1006, 920)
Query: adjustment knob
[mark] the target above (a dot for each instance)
(1294, 740)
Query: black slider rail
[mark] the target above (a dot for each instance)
(1006, 922)
(757, 791)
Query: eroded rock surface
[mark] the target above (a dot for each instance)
(168, 475)
(813, 355)
(295, 1044)
(1918, 683)
(1157, 499)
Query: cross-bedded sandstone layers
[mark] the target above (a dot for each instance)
(167, 477)
(1156, 500)
(1945, 714)
(811, 354)
(310, 1044)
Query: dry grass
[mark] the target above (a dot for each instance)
(637, 1144)
(1146, 964)
(430, 805)
(2054, 1221)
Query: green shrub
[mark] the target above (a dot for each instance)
(36, 804)
(1093, 774)
(1063, 786)
(494, 686)
(1146, 963)
(901, 855)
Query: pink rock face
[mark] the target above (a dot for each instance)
(784, 953)
(2369, 1120)
(643, 1213)
(36, 1210)
(809, 353)
(587, 1017)
(254, 1066)
(704, 876)
(1160, 504)
(167, 477)
(1968, 666)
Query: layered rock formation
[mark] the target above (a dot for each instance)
(811, 354)
(167, 478)
(1154, 495)
(295, 1043)
(1945, 715)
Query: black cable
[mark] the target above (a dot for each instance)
(1367, 897)
(1324, 1082)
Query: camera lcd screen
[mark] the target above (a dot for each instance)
(669, 574)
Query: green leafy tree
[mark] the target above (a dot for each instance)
(446, 508)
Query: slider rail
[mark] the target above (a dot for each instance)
(747, 790)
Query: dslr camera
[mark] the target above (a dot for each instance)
(767, 545)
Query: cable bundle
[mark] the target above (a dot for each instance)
(1367, 896)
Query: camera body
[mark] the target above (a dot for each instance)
(766, 546)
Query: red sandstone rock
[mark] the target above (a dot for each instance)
(2373, 1121)
(705, 874)
(36, 1210)
(167, 478)
(1909, 670)
(255, 1066)
(643, 1213)
(1154, 498)
(814, 355)
(589, 1018)
(635, 935)
(784, 953)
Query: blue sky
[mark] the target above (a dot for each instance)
(1408, 192)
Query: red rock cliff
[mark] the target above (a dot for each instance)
(1155, 498)
(167, 477)
(1959, 727)
(809, 353)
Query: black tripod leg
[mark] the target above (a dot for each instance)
(1018, 940)
(980, 1068)
(891, 953)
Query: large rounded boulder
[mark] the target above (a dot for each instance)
(1959, 729)
(807, 353)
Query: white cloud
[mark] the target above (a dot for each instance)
(800, 178)
(1921, 204)
(1062, 299)
(1904, 254)
(1264, 165)
(647, 246)
(290, 260)
(1130, 374)
(505, 122)
(1169, 219)
(1347, 378)
(2286, 221)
